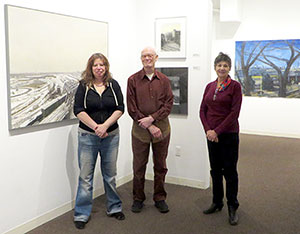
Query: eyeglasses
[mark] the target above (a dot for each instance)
(147, 55)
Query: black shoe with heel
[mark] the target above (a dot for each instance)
(233, 217)
(213, 208)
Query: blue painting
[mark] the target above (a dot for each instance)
(269, 68)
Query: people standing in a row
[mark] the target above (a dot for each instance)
(98, 105)
(219, 112)
(149, 103)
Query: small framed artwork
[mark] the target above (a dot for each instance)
(170, 37)
(179, 83)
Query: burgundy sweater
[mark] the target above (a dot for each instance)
(222, 113)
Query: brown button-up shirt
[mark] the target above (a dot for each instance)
(149, 97)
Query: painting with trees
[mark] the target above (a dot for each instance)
(269, 68)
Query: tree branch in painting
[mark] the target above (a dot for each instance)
(268, 68)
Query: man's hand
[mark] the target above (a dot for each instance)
(155, 131)
(146, 122)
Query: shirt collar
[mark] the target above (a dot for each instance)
(155, 75)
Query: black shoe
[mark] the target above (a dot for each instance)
(213, 208)
(233, 217)
(118, 215)
(162, 206)
(137, 206)
(80, 224)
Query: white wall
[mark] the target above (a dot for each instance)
(263, 20)
(39, 166)
(186, 131)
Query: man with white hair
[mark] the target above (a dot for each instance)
(149, 103)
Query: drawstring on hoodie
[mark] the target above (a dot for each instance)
(116, 100)
(113, 91)
(84, 101)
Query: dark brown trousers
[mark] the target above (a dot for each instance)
(140, 160)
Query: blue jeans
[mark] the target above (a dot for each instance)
(89, 145)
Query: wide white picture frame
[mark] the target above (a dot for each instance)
(170, 37)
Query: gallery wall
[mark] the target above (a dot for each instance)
(262, 20)
(39, 165)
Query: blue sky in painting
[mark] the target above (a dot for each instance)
(277, 51)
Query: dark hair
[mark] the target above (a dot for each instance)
(222, 58)
(87, 75)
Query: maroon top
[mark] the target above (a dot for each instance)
(221, 114)
(149, 97)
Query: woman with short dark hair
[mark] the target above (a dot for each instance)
(219, 112)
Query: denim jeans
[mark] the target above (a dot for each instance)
(89, 145)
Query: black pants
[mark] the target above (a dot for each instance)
(223, 157)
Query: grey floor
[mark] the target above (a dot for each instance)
(269, 195)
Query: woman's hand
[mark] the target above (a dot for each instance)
(212, 136)
(100, 130)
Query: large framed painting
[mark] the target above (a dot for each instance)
(268, 68)
(179, 83)
(46, 53)
(170, 37)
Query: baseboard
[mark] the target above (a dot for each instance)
(34, 223)
(249, 132)
(181, 181)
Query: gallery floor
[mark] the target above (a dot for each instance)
(269, 195)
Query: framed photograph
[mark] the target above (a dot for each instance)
(170, 37)
(179, 83)
(46, 54)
